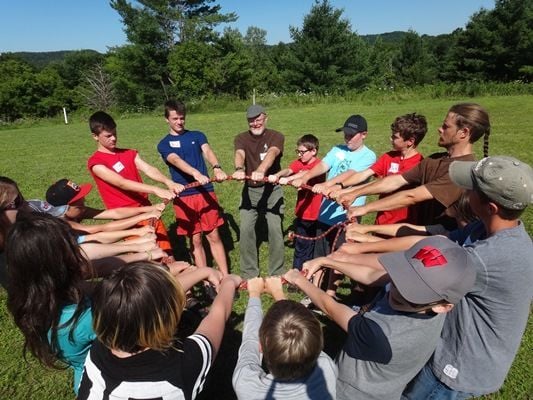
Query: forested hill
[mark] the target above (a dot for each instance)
(41, 59)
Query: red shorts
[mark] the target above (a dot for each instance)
(161, 234)
(197, 213)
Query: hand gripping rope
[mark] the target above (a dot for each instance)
(340, 226)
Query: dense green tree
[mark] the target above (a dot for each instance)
(16, 74)
(381, 71)
(412, 63)
(235, 65)
(194, 69)
(265, 77)
(326, 54)
(153, 28)
(497, 44)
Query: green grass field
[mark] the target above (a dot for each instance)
(37, 156)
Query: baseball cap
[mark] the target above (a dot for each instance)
(505, 180)
(353, 125)
(65, 191)
(434, 269)
(255, 110)
(46, 208)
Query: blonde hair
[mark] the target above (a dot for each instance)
(139, 306)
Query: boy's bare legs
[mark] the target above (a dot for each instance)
(197, 250)
(218, 251)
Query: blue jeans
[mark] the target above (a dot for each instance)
(426, 386)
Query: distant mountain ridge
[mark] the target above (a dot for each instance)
(42, 59)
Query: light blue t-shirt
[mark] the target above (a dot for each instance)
(74, 352)
(341, 159)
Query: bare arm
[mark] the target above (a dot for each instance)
(114, 236)
(267, 162)
(121, 212)
(317, 170)
(191, 278)
(338, 312)
(210, 156)
(387, 229)
(240, 156)
(384, 246)
(212, 326)
(404, 198)
(358, 177)
(366, 270)
(117, 225)
(115, 179)
(185, 167)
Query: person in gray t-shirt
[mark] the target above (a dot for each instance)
(289, 339)
(391, 339)
(482, 334)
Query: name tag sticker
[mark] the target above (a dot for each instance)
(118, 166)
(450, 371)
(262, 156)
(175, 144)
(394, 168)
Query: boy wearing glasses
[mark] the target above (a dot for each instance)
(308, 203)
(353, 155)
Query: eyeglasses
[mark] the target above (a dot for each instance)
(301, 152)
(15, 204)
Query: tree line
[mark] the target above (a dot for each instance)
(174, 50)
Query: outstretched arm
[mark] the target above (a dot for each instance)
(115, 179)
(404, 198)
(338, 312)
(212, 326)
(365, 269)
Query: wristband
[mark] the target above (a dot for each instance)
(239, 168)
(340, 184)
(149, 253)
(217, 166)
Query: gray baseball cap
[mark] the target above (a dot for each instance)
(432, 270)
(255, 110)
(505, 180)
(46, 208)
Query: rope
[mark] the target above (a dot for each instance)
(340, 226)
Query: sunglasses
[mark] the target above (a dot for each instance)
(15, 204)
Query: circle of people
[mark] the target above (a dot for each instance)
(441, 283)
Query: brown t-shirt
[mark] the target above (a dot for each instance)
(255, 148)
(432, 172)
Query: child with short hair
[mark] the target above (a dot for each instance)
(117, 177)
(290, 340)
(67, 192)
(308, 203)
(136, 313)
(390, 339)
(407, 131)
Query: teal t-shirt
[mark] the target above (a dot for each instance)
(74, 352)
(341, 159)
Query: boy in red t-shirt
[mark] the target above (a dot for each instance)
(308, 203)
(117, 177)
(407, 132)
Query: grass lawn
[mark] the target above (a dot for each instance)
(36, 157)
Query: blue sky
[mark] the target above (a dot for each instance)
(38, 25)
